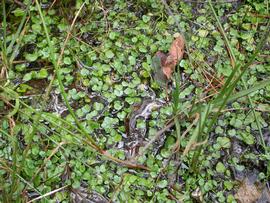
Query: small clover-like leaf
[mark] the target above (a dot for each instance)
(220, 168)
(31, 57)
(109, 54)
(67, 61)
(27, 76)
(162, 183)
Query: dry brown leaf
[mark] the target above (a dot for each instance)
(162, 56)
(248, 192)
(177, 49)
(169, 66)
(170, 60)
(167, 63)
(175, 55)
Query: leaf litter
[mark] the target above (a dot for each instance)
(250, 192)
(165, 63)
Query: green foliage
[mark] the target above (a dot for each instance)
(56, 108)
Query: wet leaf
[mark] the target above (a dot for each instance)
(43, 73)
(31, 57)
(18, 12)
(109, 54)
(67, 61)
(27, 76)
(224, 142)
(162, 183)
(220, 168)
(158, 62)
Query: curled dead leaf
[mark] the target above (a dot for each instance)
(170, 60)
(177, 49)
(158, 62)
(169, 66)
(162, 56)
(175, 55)
(248, 192)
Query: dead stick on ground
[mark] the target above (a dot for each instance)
(158, 134)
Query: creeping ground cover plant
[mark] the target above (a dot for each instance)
(134, 101)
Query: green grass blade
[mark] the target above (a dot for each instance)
(243, 93)
(242, 80)
(58, 75)
(176, 102)
(4, 42)
(17, 34)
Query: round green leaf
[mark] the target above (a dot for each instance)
(220, 168)
(109, 54)
(31, 57)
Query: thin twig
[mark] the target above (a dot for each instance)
(63, 49)
(158, 134)
(52, 4)
(48, 194)
(54, 151)
(19, 3)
